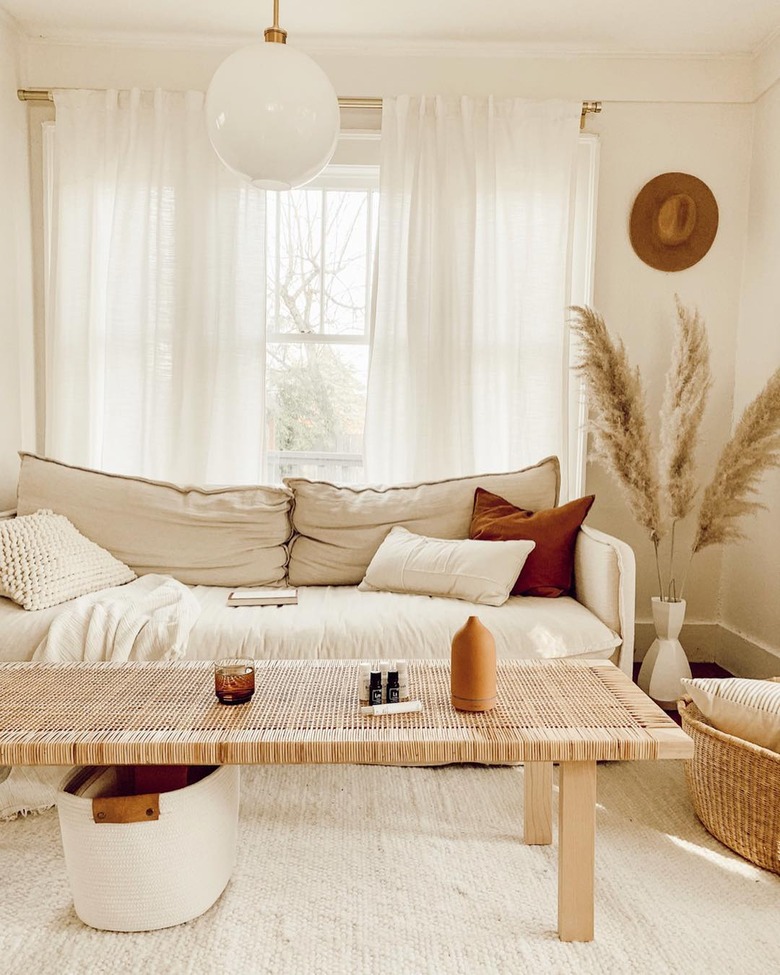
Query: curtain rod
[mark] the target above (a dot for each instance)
(45, 95)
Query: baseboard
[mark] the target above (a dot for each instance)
(701, 640)
(716, 643)
(745, 658)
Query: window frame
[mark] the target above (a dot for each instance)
(580, 290)
(362, 178)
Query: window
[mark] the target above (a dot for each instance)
(583, 264)
(158, 278)
(320, 244)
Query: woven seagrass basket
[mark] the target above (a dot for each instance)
(129, 875)
(735, 789)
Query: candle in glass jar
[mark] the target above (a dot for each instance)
(234, 680)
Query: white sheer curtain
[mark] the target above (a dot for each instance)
(155, 303)
(468, 368)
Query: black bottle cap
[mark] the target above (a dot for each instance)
(376, 679)
(392, 678)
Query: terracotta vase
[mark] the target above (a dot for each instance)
(665, 662)
(473, 667)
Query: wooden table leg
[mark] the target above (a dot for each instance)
(576, 849)
(537, 804)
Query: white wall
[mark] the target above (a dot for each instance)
(16, 383)
(693, 115)
(752, 569)
(638, 142)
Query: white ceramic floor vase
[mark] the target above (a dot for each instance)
(665, 663)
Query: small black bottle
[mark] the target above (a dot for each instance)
(393, 690)
(375, 687)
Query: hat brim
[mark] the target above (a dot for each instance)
(643, 223)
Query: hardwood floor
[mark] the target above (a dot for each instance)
(698, 670)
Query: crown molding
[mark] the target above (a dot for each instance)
(8, 20)
(355, 45)
(406, 47)
(766, 66)
(769, 41)
(70, 37)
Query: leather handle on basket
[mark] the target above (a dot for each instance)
(126, 809)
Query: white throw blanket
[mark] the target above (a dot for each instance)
(148, 619)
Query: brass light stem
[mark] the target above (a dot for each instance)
(275, 34)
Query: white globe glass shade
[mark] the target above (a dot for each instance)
(272, 115)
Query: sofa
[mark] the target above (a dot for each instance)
(320, 538)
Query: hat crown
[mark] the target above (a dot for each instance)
(676, 219)
(673, 221)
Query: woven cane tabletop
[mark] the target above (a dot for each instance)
(307, 711)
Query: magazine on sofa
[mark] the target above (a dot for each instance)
(257, 596)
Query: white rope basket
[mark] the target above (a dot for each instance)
(141, 876)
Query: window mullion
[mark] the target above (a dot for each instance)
(316, 338)
(369, 262)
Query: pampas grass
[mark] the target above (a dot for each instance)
(688, 383)
(618, 422)
(618, 418)
(753, 448)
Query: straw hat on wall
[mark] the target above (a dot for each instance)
(673, 221)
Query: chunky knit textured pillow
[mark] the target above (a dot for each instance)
(45, 561)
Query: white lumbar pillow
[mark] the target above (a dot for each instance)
(45, 561)
(477, 571)
(746, 709)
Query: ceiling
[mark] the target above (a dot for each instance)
(597, 27)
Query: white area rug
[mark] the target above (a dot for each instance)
(391, 870)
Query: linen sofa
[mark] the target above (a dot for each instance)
(320, 537)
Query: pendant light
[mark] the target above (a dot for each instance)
(272, 113)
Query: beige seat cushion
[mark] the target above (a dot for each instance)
(232, 536)
(340, 527)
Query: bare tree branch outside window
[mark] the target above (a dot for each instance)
(320, 255)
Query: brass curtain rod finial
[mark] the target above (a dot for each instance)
(33, 95)
(588, 108)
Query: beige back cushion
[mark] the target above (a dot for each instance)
(232, 536)
(340, 527)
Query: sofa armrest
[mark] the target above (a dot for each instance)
(7, 514)
(605, 583)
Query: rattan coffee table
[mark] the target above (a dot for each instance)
(572, 713)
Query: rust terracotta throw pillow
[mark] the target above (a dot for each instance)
(549, 568)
